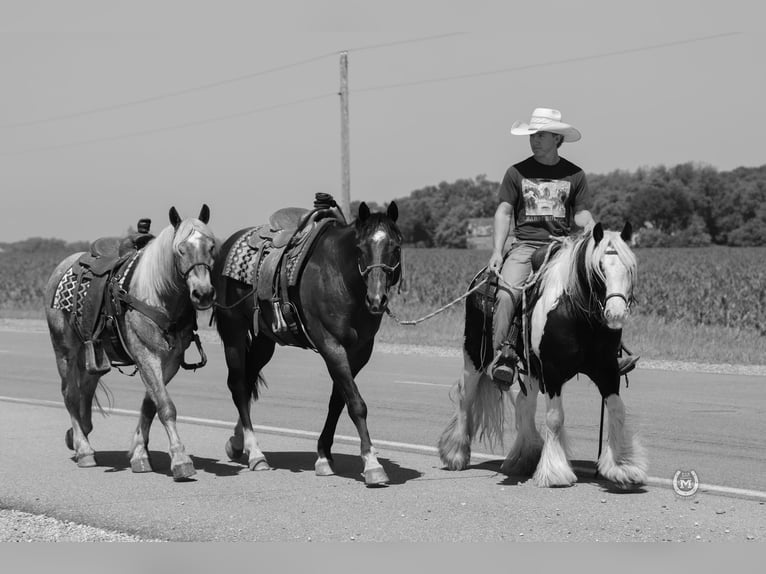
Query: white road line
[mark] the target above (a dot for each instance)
(422, 383)
(418, 448)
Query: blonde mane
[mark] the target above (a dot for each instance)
(156, 275)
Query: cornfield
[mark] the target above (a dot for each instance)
(720, 286)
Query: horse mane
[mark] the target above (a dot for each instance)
(155, 275)
(576, 267)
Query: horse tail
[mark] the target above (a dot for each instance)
(479, 413)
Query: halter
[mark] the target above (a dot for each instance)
(184, 273)
(387, 269)
(628, 300)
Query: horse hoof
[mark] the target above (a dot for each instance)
(324, 468)
(375, 476)
(86, 460)
(183, 471)
(259, 464)
(233, 452)
(141, 465)
(69, 439)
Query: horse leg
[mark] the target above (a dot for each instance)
(527, 448)
(624, 460)
(342, 372)
(244, 366)
(77, 388)
(324, 465)
(479, 407)
(554, 468)
(155, 380)
(139, 448)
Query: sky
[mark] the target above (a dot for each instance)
(115, 111)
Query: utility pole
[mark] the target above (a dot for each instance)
(345, 199)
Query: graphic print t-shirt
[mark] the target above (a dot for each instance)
(544, 197)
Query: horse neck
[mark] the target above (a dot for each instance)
(156, 280)
(339, 245)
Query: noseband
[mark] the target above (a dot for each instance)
(185, 273)
(386, 268)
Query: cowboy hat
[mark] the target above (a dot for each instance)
(546, 120)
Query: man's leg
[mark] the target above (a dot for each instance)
(514, 273)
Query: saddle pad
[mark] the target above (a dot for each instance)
(63, 298)
(241, 260)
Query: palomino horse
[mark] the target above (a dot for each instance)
(154, 317)
(575, 315)
(339, 299)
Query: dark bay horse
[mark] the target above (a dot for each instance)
(575, 316)
(169, 280)
(340, 299)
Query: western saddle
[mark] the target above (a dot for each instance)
(99, 274)
(283, 246)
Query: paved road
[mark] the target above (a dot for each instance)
(713, 424)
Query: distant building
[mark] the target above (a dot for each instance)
(478, 233)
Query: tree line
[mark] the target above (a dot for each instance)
(689, 205)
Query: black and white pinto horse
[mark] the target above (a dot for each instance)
(576, 311)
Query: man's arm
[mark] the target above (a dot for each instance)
(502, 226)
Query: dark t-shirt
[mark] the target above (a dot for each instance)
(544, 197)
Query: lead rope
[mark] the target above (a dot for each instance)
(439, 310)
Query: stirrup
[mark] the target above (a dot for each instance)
(502, 369)
(96, 361)
(626, 364)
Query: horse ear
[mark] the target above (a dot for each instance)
(598, 232)
(204, 214)
(627, 232)
(364, 211)
(393, 211)
(175, 219)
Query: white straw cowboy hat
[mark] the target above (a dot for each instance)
(546, 120)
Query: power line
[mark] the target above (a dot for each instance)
(172, 127)
(164, 96)
(401, 42)
(215, 84)
(191, 124)
(543, 64)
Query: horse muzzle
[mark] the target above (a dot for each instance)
(616, 310)
(378, 304)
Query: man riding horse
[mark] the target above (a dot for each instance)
(524, 198)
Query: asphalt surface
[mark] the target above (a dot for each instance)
(711, 423)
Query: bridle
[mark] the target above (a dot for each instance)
(629, 299)
(184, 273)
(387, 269)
